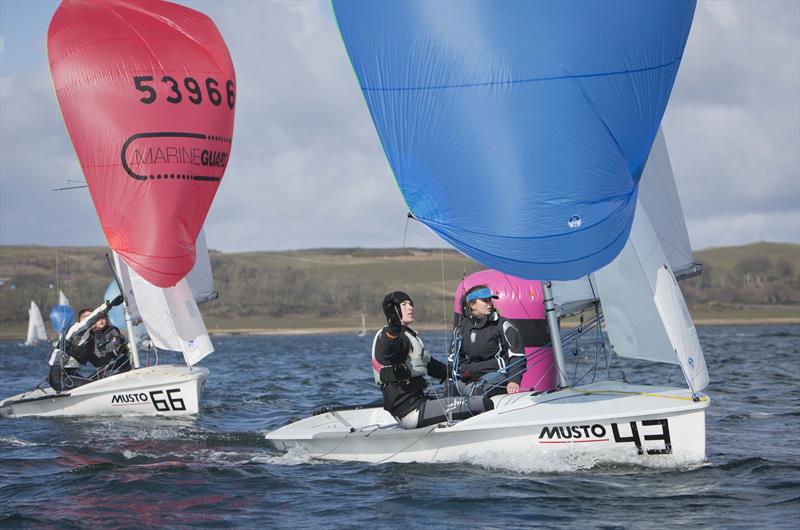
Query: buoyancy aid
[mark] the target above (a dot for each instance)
(78, 346)
(416, 364)
(78, 341)
(479, 340)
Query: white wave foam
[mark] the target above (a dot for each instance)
(293, 457)
(571, 462)
(16, 442)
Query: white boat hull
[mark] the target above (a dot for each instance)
(165, 390)
(612, 420)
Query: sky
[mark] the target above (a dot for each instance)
(307, 169)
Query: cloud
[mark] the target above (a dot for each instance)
(307, 168)
(36, 158)
(733, 123)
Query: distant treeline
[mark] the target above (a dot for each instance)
(349, 282)
(752, 280)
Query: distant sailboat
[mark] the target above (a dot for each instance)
(363, 332)
(61, 315)
(36, 330)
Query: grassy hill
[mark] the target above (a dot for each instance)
(727, 258)
(760, 279)
(331, 288)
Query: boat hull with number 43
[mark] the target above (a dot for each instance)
(613, 421)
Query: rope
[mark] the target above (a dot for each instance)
(630, 393)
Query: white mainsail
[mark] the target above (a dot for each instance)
(200, 278)
(170, 315)
(658, 195)
(62, 298)
(646, 316)
(172, 318)
(36, 330)
(644, 310)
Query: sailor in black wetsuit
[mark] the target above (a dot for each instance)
(90, 340)
(490, 351)
(400, 363)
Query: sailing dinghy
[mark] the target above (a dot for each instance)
(147, 92)
(520, 133)
(36, 329)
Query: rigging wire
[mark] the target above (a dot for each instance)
(446, 409)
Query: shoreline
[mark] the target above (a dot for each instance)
(253, 332)
(340, 330)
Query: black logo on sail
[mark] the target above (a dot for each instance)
(175, 156)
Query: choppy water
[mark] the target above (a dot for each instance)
(217, 470)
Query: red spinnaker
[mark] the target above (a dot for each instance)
(148, 91)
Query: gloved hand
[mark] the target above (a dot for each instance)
(392, 311)
(464, 374)
(116, 301)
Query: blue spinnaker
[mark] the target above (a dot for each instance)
(61, 317)
(517, 131)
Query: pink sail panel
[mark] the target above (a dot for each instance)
(522, 302)
(147, 90)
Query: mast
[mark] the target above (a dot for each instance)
(132, 341)
(128, 320)
(555, 332)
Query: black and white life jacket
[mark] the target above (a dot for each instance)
(416, 362)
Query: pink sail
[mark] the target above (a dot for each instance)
(147, 90)
(522, 302)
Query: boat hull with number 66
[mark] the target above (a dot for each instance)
(164, 390)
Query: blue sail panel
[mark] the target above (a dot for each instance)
(518, 131)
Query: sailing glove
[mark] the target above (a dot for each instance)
(116, 301)
(392, 311)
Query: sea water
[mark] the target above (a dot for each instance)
(218, 470)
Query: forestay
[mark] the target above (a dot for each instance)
(645, 313)
(518, 131)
